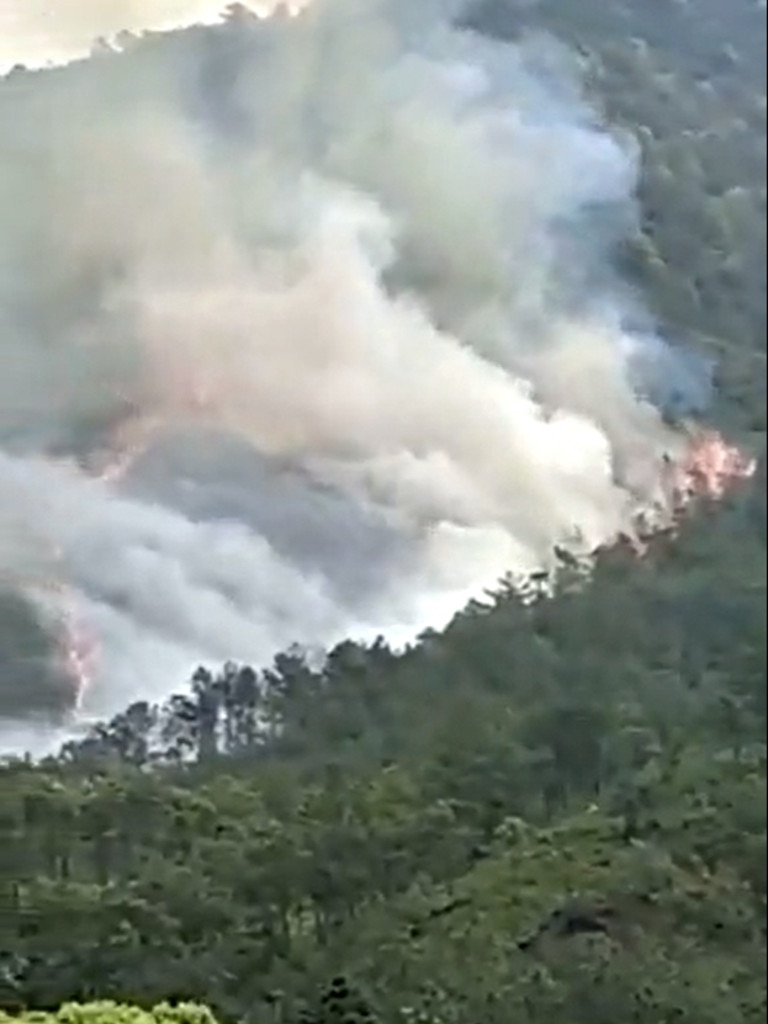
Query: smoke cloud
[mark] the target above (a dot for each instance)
(347, 277)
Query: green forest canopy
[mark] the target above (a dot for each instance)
(112, 1013)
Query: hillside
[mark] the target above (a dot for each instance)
(687, 80)
(591, 763)
(552, 812)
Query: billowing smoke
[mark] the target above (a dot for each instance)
(345, 281)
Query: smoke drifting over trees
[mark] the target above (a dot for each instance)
(309, 328)
(338, 291)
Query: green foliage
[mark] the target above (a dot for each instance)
(686, 80)
(553, 812)
(555, 806)
(112, 1013)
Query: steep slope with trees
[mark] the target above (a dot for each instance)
(551, 813)
(687, 81)
(549, 795)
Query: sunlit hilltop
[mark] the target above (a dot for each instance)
(39, 33)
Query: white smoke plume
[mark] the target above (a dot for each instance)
(348, 274)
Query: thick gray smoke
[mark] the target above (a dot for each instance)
(349, 275)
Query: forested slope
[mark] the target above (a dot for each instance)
(557, 807)
(687, 80)
(552, 813)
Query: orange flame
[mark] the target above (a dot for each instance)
(79, 654)
(78, 647)
(712, 467)
(708, 470)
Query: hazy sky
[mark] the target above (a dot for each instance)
(36, 32)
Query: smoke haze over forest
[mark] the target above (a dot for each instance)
(343, 283)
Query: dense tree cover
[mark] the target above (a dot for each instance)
(551, 813)
(554, 811)
(687, 79)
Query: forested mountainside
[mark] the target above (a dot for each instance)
(551, 813)
(687, 79)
